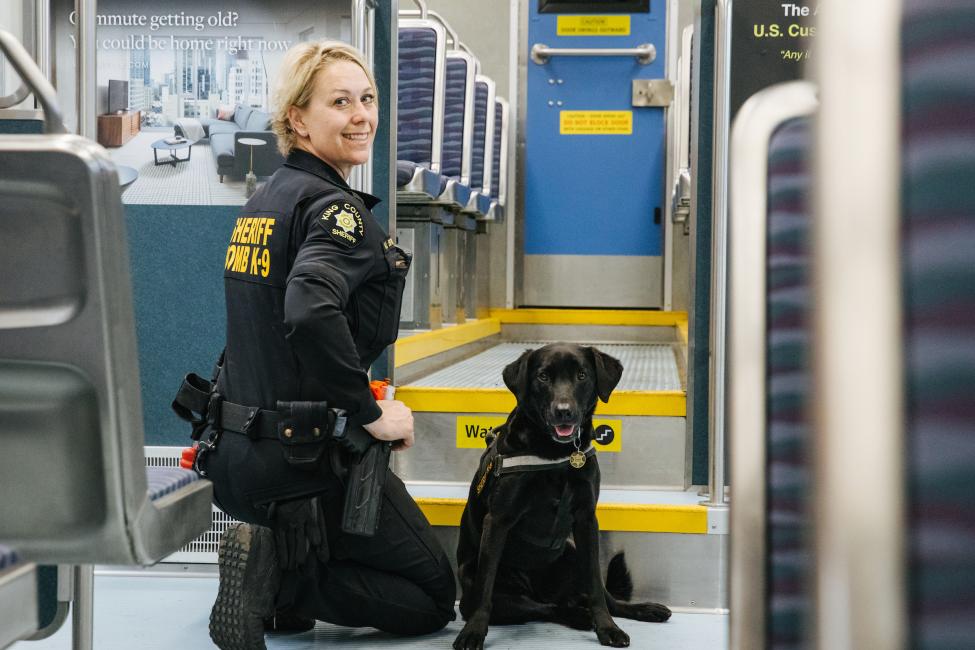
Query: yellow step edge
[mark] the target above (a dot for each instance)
(427, 344)
(589, 317)
(619, 517)
(500, 400)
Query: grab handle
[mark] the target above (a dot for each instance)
(645, 53)
(33, 80)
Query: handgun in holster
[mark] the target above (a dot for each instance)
(366, 476)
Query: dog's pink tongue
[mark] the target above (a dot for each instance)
(564, 430)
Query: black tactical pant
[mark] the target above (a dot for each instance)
(398, 581)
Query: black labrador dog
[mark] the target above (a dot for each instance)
(537, 486)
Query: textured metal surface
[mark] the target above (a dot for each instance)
(645, 367)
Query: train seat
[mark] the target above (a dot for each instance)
(769, 374)
(72, 472)
(18, 597)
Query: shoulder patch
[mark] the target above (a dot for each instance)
(343, 223)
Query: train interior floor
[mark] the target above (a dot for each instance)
(152, 611)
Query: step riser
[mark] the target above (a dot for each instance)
(676, 570)
(655, 451)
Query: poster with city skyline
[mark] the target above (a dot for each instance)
(203, 72)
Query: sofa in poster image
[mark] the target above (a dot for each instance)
(233, 158)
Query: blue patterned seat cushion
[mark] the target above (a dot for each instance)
(496, 154)
(165, 480)
(480, 135)
(453, 117)
(788, 379)
(415, 89)
(8, 557)
(938, 229)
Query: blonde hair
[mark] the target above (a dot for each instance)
(296, 82)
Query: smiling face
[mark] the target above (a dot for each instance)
(557, 386)
(338, 124)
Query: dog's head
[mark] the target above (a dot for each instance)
(557, 385)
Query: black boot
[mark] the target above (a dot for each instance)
(249, 581)
(287, 622)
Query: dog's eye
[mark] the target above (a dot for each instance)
(543, 376)
(581, 376)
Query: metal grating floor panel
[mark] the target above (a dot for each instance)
(646, 366)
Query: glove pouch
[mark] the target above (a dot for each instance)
(303, 431)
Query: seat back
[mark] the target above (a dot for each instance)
(420, 104)
(72, 471)
(499, 164)
(481, 149)
(938, 296)
(458, 116)
(767, 369)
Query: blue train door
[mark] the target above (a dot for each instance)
(595, 148)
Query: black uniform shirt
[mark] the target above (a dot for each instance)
(313, 289)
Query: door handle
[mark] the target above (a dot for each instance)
(645, 53)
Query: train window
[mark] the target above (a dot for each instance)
(594, 7)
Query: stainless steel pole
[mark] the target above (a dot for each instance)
(719, 254)
(87, 91)
(42, 36)
(362, 28)
(83, 616)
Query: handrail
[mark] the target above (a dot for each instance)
(423, 8)
(424, 12)
(21, 61)
(645, 52)
(757, 121)
(362, 40)
(719, 253)
(861, 546)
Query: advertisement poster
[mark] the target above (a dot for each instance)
(185, 90)
(771, 42)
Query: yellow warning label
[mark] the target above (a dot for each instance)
(593, 26)
(596, 123)
(472, 429)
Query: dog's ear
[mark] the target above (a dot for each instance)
(515, 374)
(608, 373)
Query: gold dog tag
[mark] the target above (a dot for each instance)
(577, 459)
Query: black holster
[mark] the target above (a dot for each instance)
(367, 467)
(303, 430)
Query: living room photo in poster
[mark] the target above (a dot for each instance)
(185, 90)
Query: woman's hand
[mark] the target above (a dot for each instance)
(395, 424)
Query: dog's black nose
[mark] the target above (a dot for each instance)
(564, 412)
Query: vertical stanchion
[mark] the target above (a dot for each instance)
(719, 256)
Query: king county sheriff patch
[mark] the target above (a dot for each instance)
(342, 221)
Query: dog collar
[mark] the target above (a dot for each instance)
(528, 463)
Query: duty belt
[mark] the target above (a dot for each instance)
(197, 403)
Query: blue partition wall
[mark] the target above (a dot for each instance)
(176, 254)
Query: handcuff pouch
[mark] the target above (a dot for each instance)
(303, 430)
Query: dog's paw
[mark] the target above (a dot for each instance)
(651, 612)
(471, 638)
(613, 637)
